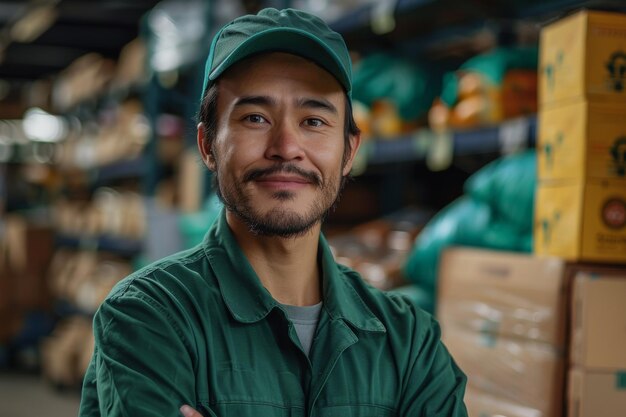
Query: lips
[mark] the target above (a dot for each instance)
(282, 182)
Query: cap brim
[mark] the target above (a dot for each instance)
(292, 41)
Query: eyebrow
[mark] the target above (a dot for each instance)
(306, 102)
(317, 103)
(255, 100)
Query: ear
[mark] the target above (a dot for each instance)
(355, 142)
(205, 148)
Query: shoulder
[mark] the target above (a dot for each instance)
(169, 278)
(166, 294)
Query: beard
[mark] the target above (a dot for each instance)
(280, 221)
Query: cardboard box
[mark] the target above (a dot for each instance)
(582, 140)
(506, 293)
(191, 182)
(521, 371)
(596, 394)
(581, 220)
(11, 322)
(583, 56)
(24, 259)
(599, 321)
(482, 404)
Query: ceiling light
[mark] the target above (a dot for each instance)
(44, 127)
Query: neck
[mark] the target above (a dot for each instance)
(287, 267)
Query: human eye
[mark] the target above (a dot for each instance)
(314, 122)
(255, 118)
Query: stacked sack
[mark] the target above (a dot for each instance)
(391, 95)
(487, 89)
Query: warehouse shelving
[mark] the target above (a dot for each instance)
(414, 147)
(462, 12)
(121, 246)
(137, 167)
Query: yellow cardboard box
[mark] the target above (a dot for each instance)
(582, 139)
(598, 337)
(581, 220)
(596, 394)
(583, 55)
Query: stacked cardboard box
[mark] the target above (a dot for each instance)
(503, 319)
(523, 328)
(580, 209)
(25, 253)
(110, 212)
(84, 278)
(597, 377)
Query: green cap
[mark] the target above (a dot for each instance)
(272, 30)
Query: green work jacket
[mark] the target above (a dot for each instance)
(199, 328)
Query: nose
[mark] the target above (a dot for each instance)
(284, 143)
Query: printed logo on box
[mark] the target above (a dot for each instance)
(550, 148)
(550, 69)
(614, 213)
(618, 153)
(616, 66)
(548, 225)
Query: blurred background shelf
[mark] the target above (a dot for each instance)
(120, 246)
(65, 308)
(419, 17)
(131, 168)
(500, 139)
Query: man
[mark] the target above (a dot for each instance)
(259, 320)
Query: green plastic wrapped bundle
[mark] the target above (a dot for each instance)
(493, 66)
(405, 83)
(496, 213)
(507, 185)
(461, 222)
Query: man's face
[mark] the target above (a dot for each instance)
(278, 151)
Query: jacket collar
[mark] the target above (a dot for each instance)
(249, 301)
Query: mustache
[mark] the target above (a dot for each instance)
(255, 174)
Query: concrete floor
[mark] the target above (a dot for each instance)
(27, 395)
